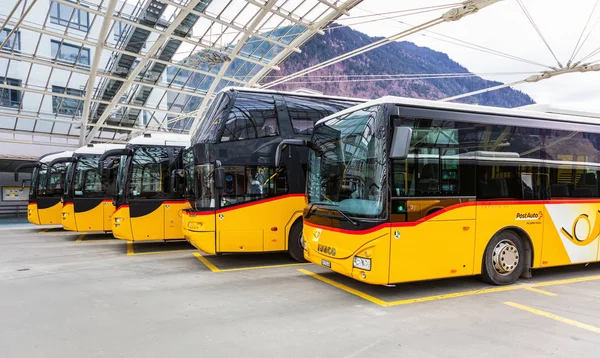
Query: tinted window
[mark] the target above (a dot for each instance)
(252, 116)
(150, 173)
(88, 181)
(305, 112)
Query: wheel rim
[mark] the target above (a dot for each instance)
(505, 257)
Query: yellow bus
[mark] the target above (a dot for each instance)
(45, 189)
(444, 190)
(87, 199)
(148, 202)
(240, 201)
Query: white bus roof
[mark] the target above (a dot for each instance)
(98, 149)
(161, 138)
(468, 108)
(548, 108)
(48, 158)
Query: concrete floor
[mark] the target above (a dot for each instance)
(67, 295)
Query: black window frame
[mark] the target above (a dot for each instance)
(60, 45)
(74, 20)
(59, 101)
(12, 93)
(15, 38)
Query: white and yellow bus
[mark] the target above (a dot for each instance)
(46, 188)
(148, 199)
(87, 199)
(404, 190)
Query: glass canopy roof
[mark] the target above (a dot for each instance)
(152, 65)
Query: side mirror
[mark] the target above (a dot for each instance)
(176, 173)
(219, 178)
(23, 183)
(25, 166)
(401, 143)
(112, 153)
(295, 142)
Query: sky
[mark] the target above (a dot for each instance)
(504, 27)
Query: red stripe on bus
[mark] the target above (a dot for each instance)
(124, 206)
(235, 207)
(453, 207)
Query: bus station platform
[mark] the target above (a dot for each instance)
(71, 295)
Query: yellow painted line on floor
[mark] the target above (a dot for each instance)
(345, 288)
(130, 248)
(554, 317)
(383, 303)
(566, 281)
(207, 263)
(158, 252)
(214, 268)
(80, 238)
(533, 289)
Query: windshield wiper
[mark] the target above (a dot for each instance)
(332, 207)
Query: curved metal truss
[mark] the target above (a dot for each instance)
(103, 70)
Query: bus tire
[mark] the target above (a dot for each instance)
(295, 242)
(504, 259)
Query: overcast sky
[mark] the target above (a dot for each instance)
(504, 27)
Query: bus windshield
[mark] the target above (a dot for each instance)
(349, 172)
(150, 173)
(87, 182)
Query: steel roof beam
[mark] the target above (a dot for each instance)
(143, 61)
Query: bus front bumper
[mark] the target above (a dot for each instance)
(68, 217)
(32, 214)
(199, 230)
(376, 273)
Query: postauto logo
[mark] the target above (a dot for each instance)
(529, 216)
(326, 249)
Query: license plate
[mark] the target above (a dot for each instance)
(326, 263)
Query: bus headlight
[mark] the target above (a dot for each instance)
(117, 220)
(362, 263)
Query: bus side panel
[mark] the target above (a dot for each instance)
(147, 220)
(439, 246)
(570, 233)
(68, 217)
(89, 214)
(121, 224)
(199, 230)
(256, 227)
(109, 210)
(493, 216)
(32, 213)
(50, 211)
(173, 212)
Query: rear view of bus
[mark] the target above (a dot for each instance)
(46, 189)
(148, 198)
(87, 201)
(242, 203)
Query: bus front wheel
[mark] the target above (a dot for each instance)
(295, 242)
(504, 259)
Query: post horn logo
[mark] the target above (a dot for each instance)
(586, 237)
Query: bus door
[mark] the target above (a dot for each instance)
(88, 194)
(433, 219)
(109, 180)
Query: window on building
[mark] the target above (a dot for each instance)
(67, 106)
(14, 42)
(10, 97)
(70, 53)
(65, 15)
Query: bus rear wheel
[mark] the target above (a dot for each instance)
(504, 259)
(295, 242)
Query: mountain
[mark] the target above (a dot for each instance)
(394, 58)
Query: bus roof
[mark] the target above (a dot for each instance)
(299, 94)
(161, 138)
(548, 108)
(97, 148)
(470, 108)
(50, 157)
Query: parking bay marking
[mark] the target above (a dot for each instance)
(214, 268)
(380, 302)
(554, 317)
(131, 251)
